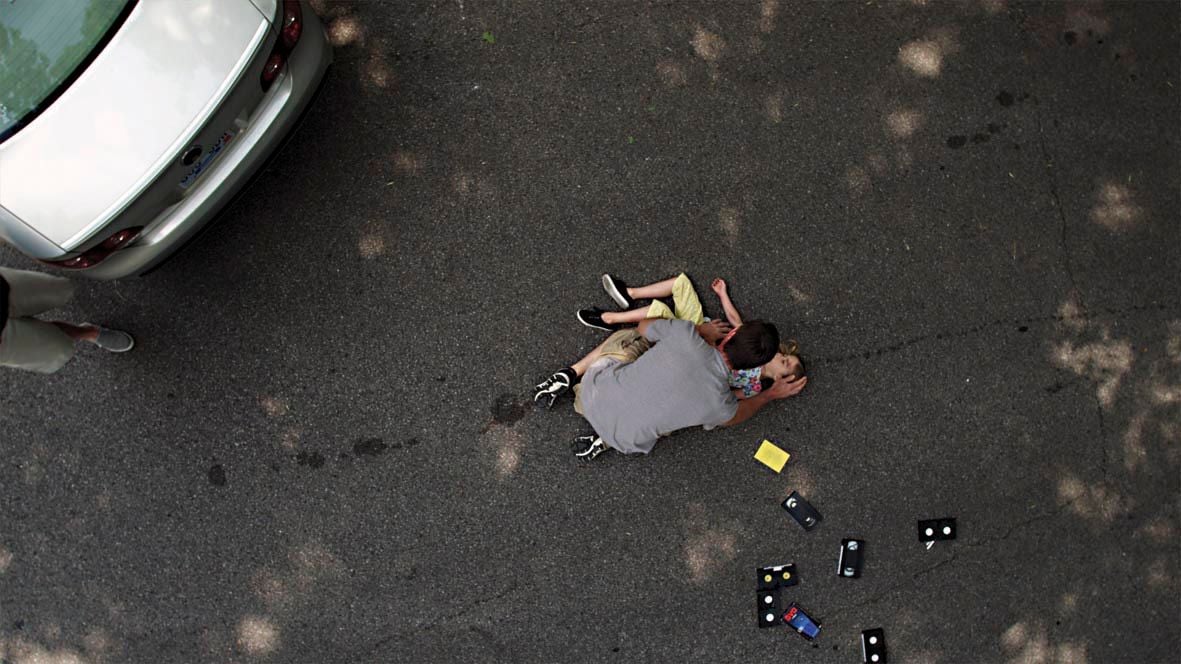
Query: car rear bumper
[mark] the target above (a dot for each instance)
(274, 119)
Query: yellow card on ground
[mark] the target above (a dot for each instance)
(771, 456)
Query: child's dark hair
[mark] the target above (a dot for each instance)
(753, 345)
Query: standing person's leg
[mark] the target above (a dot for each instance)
(33, 293)
(34, 345)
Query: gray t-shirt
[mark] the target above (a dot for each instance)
(681, 382)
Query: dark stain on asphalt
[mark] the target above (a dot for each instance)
(369, 447)
(313, 459)
(1023, 328)
(508, 409)
(956, 142)
(1070, 37)
(1055, 388)
(217, 475)
(1005, 98)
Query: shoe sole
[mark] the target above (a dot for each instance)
(578, 315)
(609, 286)
(590, 454)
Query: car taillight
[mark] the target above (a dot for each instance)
(100, 251)
(290, 28)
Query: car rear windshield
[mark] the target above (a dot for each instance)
(44, 46)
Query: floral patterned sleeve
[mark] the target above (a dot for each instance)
(746, 380)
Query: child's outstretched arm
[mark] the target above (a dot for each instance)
(719, 287)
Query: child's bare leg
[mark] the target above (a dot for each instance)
(633, 316)
(652, 291)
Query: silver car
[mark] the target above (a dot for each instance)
(126, 125)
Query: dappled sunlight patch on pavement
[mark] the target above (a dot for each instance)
(371, 244)
(799, 295)
(283, 590)
(19, 650)
(406, 162)
(99, 644)
(799, 479)
(925, 57)
(1160, 576)
(377, 72)
(257, 635)
(773, 107)
(730, 221)
(505, 444)
(1024, 643)
(994, 7)
(1115, 206)
(768, 10)
(709, 547)
(1135, 454)
(903, 123)
(273, 406)
(1173, 344)
(671, 73)
(878, 164)
(1092, 501)
(508, 453)
(857, 180)
(289, 439)
(1068, 604)
(1070, 313)
(344, 31)
(922, 57)
(1104, 361)
(466, 183)
(707, 45)
(1160, 529)
(710, 48)
(5, 559)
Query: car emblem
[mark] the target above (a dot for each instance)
(191, 155)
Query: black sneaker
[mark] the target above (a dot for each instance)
(593, 317)
(618, 292)
(588, 447)
(548, 390)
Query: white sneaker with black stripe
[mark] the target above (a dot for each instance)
(548, 390)
(588, 447)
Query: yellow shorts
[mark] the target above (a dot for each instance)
(687, 306)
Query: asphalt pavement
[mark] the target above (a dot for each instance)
(322, 449)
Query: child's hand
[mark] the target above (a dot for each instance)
(719, 287)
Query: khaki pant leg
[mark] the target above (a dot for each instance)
(32, 293)
(34, 345)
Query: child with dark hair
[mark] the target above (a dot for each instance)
(745, 382)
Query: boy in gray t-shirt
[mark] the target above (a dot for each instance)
(632, 395)
(681, 382)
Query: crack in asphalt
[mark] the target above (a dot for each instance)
(1123, 312)
(1051, 177)
(401, 635)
